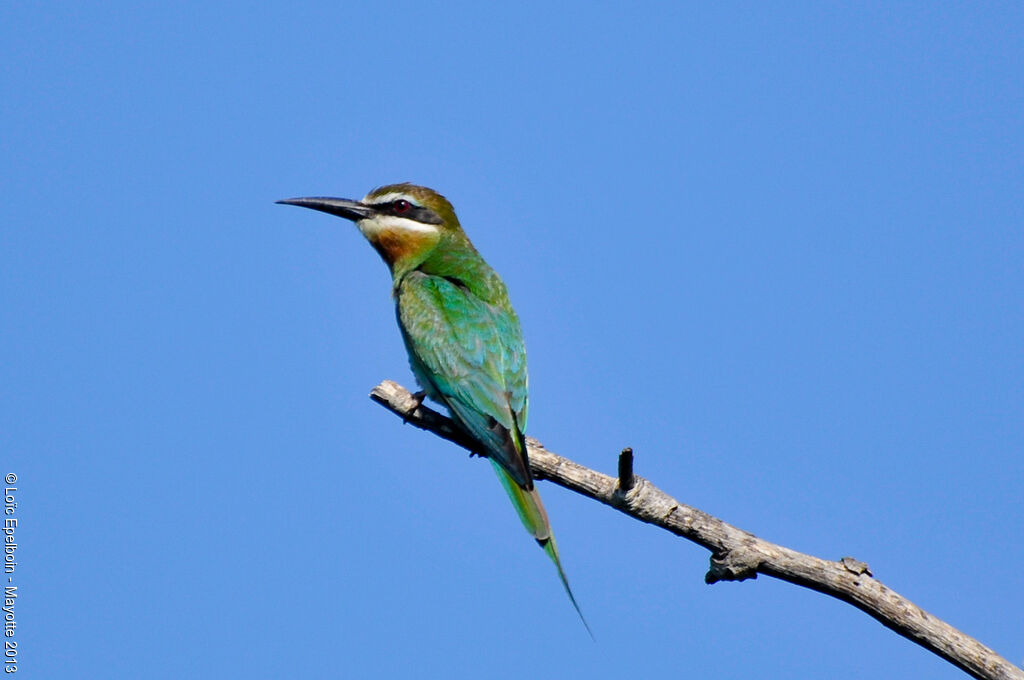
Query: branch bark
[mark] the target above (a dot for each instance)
(735, 554)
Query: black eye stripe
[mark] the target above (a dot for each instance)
(401, 207)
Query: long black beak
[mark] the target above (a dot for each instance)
(342, 207)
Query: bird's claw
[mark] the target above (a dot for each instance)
(417, 399)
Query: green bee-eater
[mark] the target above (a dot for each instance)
(462, 335)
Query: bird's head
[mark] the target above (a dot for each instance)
(403, 222)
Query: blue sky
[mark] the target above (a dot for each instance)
(776, 250)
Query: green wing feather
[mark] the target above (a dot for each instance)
(469, 355)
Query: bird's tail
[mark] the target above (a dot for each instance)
(535, 519)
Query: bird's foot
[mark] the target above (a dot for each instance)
(417, 398)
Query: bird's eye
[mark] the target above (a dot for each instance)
(401, 206)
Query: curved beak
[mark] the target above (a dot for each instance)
(342, 207)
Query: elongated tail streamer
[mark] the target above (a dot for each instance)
(535, 519)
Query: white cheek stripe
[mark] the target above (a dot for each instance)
(376, 225)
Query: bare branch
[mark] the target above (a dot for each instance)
(735, 554)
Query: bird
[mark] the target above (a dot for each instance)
(463, 337)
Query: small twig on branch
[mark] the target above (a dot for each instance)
(735, 554)
(626, 470)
